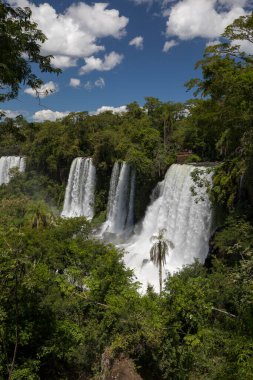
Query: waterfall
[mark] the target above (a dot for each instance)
(186, 221)
(80, 191)
(7, 163)
(113, 188)
(120, 209)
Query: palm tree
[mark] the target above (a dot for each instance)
(38, 215)
(158, 252)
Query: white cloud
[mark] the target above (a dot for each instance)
(97, 20)
(45, 90)
(245, 46)
(168, 45)
(49, 115)
(202, 18)
(63, 61)
(74, 34)
(100, 82)
(212, 43)
(137, 42)
(110, 61)
(9, 113)
(114, 110)
(74, 82)
(241, 3)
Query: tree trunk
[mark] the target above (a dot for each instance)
(16, 330)
(160, 276)
(164, 136)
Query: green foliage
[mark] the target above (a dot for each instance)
(226, 183)
(33, 186)
(75, 300)
(65, 298)
(20, 45)
(11, 136)
(235, 238)
(51, 153)
(192, 158)
(206, 322)
(56, 279)
(219, 126)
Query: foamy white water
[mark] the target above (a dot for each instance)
(187, 225)
(7, 163)
(80, 192)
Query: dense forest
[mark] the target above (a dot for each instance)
(69, 308)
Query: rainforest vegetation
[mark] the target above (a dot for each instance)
(69, 308)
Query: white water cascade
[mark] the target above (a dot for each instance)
(80, 191)
(120, 209)
(10, 162)
(186, 223)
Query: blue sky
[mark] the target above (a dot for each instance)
(121, 52)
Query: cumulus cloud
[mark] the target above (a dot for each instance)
(168, 45)
(187, 19)
(43, 91)
(197, 18)
(49, 115)
(108, 63)
(114, 110)
(74, 82)
(75, 33)
(137, 42)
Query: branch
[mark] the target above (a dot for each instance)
(224, 312)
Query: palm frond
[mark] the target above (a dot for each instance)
(160, 248)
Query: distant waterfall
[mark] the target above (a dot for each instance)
(10, 162)
(120, 209)
(80, 191)
(186, 221)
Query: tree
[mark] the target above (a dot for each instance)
(39, 215)
(169, 112)
(20, 42)
(134, 110)
(221, 123)
(240, 30)
(159, 250)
